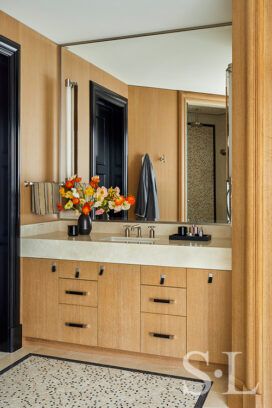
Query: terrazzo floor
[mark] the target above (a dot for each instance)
(215, 397)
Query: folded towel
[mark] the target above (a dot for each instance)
(45, 197)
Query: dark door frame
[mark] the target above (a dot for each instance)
(99, 92)
(13, 338)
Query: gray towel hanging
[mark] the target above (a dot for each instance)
(147, 205)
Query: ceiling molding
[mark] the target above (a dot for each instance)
(125, 37)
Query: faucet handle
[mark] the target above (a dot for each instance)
(152, 231)
(127, 230)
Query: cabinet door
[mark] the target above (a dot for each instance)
(40, 299)
(119, 307)
(209, 313)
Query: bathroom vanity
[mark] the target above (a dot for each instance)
(145, 298)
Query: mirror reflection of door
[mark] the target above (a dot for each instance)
(206, 164)
(109, 139)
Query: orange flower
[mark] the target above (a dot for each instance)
(76, 200)
(86, 209)
(119, 201)
(96, 179)
(78, 179)
(69, 184)
(130, 199)
(62, 191)
(59, 206)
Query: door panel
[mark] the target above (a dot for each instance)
(119, 307)
(40, 299)
(209, 313)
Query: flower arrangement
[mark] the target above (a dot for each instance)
(76, 196)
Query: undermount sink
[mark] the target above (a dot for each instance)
(131, 239)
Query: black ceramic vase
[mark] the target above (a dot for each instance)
(84, 224)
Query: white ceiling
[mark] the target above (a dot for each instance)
(191, 61)
(76, 20)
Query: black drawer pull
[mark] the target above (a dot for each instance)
(210, 278)
(155, 300)
(101, 270)
(54, 267)
(162, 279)
(79, 325)
(77, 273)
(162, 336)
(74, 292)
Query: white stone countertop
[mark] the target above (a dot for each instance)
(215, 254)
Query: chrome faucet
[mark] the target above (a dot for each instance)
(139, 230)
(127, 230)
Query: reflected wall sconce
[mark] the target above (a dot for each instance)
(71, 127)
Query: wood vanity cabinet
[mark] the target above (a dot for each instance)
(40, 298)
(209, 313)
(119, 307)
(150, 309)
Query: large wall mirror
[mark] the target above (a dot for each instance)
(162, 95)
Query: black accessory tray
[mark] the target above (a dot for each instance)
(177, 237)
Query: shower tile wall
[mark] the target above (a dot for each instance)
(220, 161)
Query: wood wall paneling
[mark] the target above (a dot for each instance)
(153, 129)
(39, 109)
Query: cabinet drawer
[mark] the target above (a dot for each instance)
(78, 270)
(163, 335)
(77, 292)
(78, 324)
(163, 300)
(163, 276)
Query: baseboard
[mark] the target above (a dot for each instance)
(112, 352)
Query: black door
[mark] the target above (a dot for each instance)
(108, 155)
(109, 144)
(10, 328)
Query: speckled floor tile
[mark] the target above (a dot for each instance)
(43, 381)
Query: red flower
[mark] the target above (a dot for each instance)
(69, 184)
(119, 201)
(130, 199)
(78, 179)
(76, 200)
(86, 209)
(59, 207)
(93, 184)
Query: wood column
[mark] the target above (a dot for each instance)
(252, 197)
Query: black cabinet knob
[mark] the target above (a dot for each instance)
(210, 278)
(162, 280)
(54, 268)
(77, 273)
(101, 270)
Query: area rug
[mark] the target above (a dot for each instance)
(44, 381)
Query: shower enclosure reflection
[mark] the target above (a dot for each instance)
(206, 164)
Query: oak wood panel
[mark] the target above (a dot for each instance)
(39, 109)
(153, 129)
(86, 270)
(78, 315)
(176, 296)
(119, 307)
(175, 277)
(82, 72)
(184, 99)
(167, 325)
(87, 288)
(40, 299)
(209, 314)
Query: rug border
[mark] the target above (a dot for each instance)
(199, 403)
